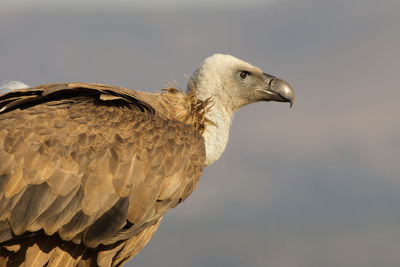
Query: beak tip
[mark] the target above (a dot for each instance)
(284, 90)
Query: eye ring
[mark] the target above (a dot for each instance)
(243, 75)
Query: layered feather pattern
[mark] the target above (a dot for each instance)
(87, 171)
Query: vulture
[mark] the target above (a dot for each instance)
(87, 171)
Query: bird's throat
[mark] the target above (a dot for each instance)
(216, 136)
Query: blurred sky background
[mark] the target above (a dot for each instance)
(315, 185)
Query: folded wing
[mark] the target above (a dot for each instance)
(90, 165)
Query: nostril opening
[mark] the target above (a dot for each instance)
(270, 83)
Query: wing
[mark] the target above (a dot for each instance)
(93, 163)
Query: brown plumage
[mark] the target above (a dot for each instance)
(87, 170)
(77, 157)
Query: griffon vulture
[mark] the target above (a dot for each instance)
(87, 171)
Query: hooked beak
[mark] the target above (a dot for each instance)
(278, 90)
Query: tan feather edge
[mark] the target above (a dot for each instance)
(198, 108)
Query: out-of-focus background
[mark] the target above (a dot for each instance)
(315, 185)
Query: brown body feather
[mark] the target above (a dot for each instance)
(87, 171)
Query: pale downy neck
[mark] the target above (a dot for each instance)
(216, 136)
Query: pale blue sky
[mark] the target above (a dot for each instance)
(134, 3)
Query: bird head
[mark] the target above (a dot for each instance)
(235, 83)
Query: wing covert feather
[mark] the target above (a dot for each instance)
(71, 166)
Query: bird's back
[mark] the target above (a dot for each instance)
(87, 171)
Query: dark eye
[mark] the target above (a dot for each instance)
(243, 75)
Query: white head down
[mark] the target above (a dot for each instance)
(232, 83)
